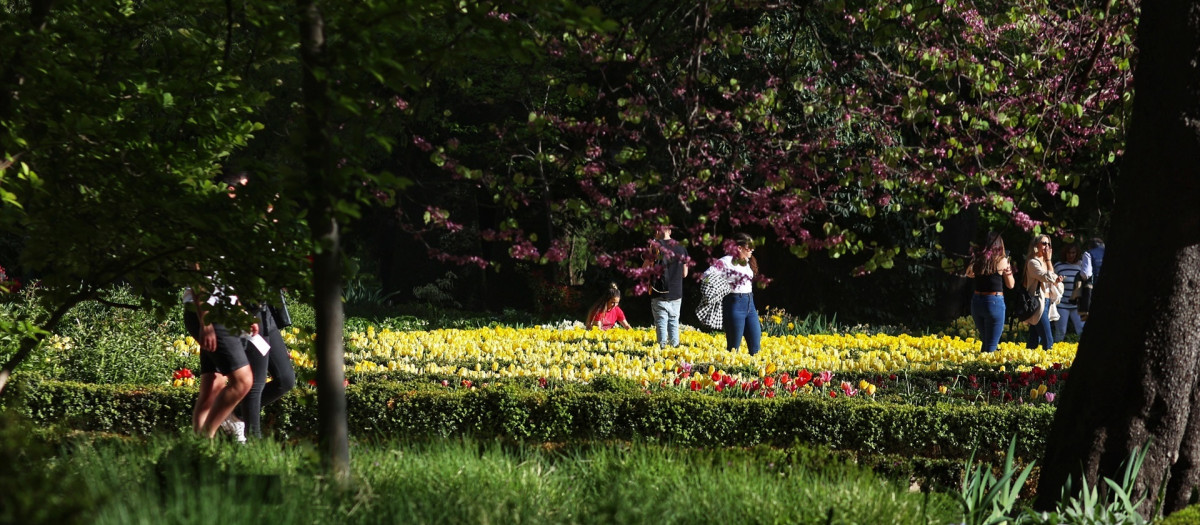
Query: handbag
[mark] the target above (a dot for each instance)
(283, 318)
(1023, 303)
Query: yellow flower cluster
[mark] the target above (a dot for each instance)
(964, 327)
(579, 355)
(60, 342)
(185, 347)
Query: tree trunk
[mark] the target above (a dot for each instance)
(327, 274)
(1136, 377)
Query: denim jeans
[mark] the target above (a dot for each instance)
(988, 312)
(1041, 334)
(1067, 315)
(666, 320)
(741, 318)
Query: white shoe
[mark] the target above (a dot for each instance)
(234, 427)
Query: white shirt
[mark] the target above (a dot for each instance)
(739, 275)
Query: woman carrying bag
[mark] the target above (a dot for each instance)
(1041, 281)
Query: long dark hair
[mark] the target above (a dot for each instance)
(745, 241)
(611, 293)
(987, 258)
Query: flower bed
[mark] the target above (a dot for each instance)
(919, 369)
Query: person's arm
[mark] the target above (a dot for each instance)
(1086, 265)
(1037, 269)
(621, 318)
(208, 334)
(590, 321)
(1006, 270)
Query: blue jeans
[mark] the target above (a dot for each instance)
(741, 318)
(988, 312)
(666, 320)
(1040, 334)
(1067, 315)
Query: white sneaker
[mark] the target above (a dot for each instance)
(235, 427)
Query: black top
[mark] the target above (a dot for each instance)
(669, 285)
(989, 283)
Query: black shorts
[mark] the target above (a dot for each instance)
(230, 354)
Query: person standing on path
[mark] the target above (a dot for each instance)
(670, 259)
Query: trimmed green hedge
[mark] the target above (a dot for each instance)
(387, 410)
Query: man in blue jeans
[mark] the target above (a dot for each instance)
(666, 291)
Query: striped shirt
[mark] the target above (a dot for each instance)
(1068, 271)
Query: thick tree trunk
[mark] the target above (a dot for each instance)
(1136, 378)
(327, 274)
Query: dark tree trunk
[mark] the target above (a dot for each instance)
(327, 273)
(1135, 378)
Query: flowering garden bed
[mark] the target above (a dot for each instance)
(933, 396)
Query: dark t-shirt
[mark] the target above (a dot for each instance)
(672, 261)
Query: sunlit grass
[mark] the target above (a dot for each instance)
(189, 481)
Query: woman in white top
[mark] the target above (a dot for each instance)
(739, 317)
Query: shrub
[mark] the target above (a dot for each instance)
(34, 488)
(100, 343)
(574, 413)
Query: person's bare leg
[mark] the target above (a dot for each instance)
(210, 386)
(227, 399)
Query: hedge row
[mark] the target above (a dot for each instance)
(388, 410)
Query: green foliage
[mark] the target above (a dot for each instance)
(364, 292)
(986, 499)
(581, 413)
(97, 342)
(1112, 501)
(174, 480)
(778, 322)
(1187, 516)
(438, 293)
(120, 158)
(35, 487)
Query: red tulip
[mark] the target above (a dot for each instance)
(803, 377)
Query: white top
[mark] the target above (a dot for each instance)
(739, 275)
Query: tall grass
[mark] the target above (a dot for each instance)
(190, 481)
